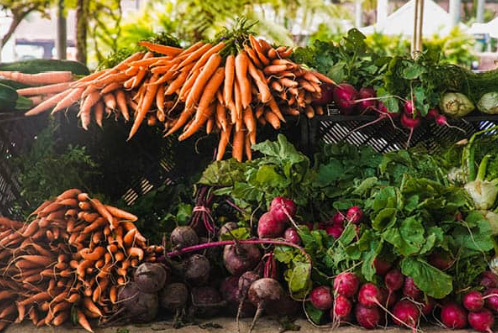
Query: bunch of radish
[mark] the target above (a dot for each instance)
(336, 225)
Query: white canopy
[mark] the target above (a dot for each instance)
(436, 21)
(490, 28)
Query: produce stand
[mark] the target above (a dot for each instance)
(313, 217)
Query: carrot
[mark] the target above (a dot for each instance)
(38, 298)
(319, 110)
(274, 69)
(272, 53)
(10, 309)
(110, 87)
(113, 295)
(285, 53)
(323, 78)
(47, 104)
(112, 78)
(129, 238)
(85, 110)
(229, 79)
(206, 56)
(202, 81)
(99, 113)
(135, 252)
(30, 230)
(221, 116)
(83, 321)
(195, 55)
(8, 223)
(253, 56)
(247, 146)
(256, 46)
(134, 81)
(98, 223)
(144, 106)
(40, 78)
(96, 254)
(238, 145)
(61, 318)
(163, 49)
(237, 104)
(275, 109)
(310, 112)
(43, 90)
(122, 105)
(272, 119)
(262, 86)
(241, 67)
(121, 214)
(176, 84)
(90, 306)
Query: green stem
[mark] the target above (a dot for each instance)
(482, 168)
(468, 156)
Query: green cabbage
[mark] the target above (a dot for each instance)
(488, 103)
(456, 105)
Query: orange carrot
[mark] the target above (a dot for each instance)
(109, 101)
(221, 115)
(310, 112)
(272, 119)
(257, 76)
(323, 78)
(202, 81)
(185, 90)
(121, 214)
(47, 104)
(122, 105)
(40, 78)
(272, 53)
(135, 252)
(48, 89)
(176, 84)
(229, 79)
(247, 148)
(95, 255)
(256, 46)
(99, 113)
(110, 87)
(163, 49)
(195, 55)
(274, 69)
(241, 66)
(253, 56)
(237, 103)
(275, 109)
(206, 56)
(238, 145)
(83, 321)
(149, 98)
(90, 306)
(249, 121)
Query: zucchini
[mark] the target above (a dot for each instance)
(14, 84)
(8, 98)
(45, 65)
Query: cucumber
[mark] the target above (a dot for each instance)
(14, 84)
(8, 98)
(45, 65)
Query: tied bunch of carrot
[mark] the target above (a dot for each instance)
(69, 260)
(228, 87)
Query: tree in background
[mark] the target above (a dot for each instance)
(19, 9)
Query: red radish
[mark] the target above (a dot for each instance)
(454, 316)
(491, 297)
(489, 280)
(335, 230)
(381, 266)
(345, 97)
(321, 298)
(440, 260)
(291, 235)
(405, 313)
(367, 317)
(240, 258)
(383, 114)
(366, 100)
(441, 120)
(482, 321)
(346, 284)
(354, 215)
(387, 299)
(394, 280)
(410, 289)
(327, 94)
(342, 308)
(369, 295)
(428, 307)
(473, 301)
(281, 208)
(410, 123)
(382, 108)
(432, 114)
(338, 218)
(409, 107)
(269, 227)
(265, 292)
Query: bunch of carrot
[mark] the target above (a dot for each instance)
(69, 260)
(227, 87)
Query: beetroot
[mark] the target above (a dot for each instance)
(183, 236)
(366, 101)
(231, 294)
(489, 280)
(291, 235)
(196, 269)
(140, 307)
(286, 307)
(281, 208)
(346, 283)
(440, 260)
(321, 298)
(335, 230)
(473, 301)
(269, 227)
(326, 96)
(491, 297)
(482, 320)
(369, 295)
(240, 258)
(394, 280)
(410, 289)
(345, 96)
(354, 215)
(150, 277)
(174, 296)
(263, 293)
(405, 313)
(342, 308)
(454, 316)
(245, 281)
(206, 302)
(367, 317)
(381, 266)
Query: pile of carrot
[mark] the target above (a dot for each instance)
(68, 261)
(223, 87)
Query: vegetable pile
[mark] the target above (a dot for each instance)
(228, 86)
(69, 261)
